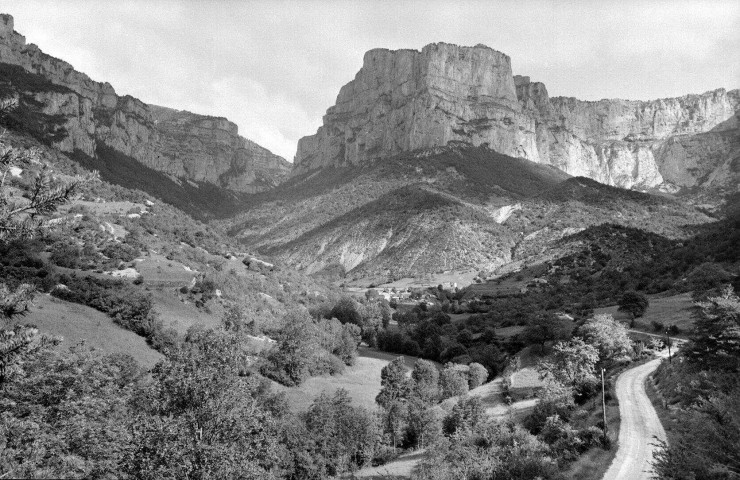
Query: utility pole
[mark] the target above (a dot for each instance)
(603, 403)
(668, 342)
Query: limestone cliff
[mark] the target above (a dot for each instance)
(181, 144)
(210, 149)
(406, 99)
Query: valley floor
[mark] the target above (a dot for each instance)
(362, 381)
(495, 406)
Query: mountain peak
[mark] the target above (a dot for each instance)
(404, 100)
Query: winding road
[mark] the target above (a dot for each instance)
(639, 428)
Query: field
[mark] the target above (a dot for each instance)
(77, 323)
(399, 468)
(495, 407)
(675, 310)
(362, 381)
(104, 208)
(462, 278)
(507, 332)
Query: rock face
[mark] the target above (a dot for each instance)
(404, 100)
(182, 144)
(210, 149)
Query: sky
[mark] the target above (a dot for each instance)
(273, 67)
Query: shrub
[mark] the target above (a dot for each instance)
(564, 440)
(120, 252)
(555, 400)
(658, 326)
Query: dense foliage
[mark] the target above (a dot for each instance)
(701, 387)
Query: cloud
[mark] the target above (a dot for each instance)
(274, 67)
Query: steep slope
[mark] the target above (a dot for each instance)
(455, 208)
(108, 232)
(87, 114)
(404, 100)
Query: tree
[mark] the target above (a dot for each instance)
(67, 416)
(339, 339)
(296, 352)
(347, 310)
(465, 415)
(373, 316)
(477, 375)
(716, 341)
(23, 219)
(424, 422)
(549, 328)
(491, 450)
(572, 363)
(201, 416)
(707, 278)
(705, 443)
(345, 436)
(395, 386)
(608, 335)
(396, 415)
(426, 381)
(555, 399)
(633, 303)
(453, 380)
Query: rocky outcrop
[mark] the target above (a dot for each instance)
(210, 149)
(181, 144)
(406, 99)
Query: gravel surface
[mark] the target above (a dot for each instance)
(639, 428)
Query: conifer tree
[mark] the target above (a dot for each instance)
(22, 219)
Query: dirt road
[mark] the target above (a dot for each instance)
(639, 426)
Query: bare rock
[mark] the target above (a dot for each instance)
(406, 100)
(182, 144)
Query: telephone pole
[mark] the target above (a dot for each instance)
(668, 342)
(603, 403)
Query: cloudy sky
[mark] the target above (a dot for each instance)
(274, 67)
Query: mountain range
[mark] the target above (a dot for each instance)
(431, 161)
(94, 122)
(404, 100)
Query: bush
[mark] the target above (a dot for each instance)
(658, 326)
(555, 400)
(324, 363)
(120, 252)
(592, 436)
(164, 340)
(65, 255)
